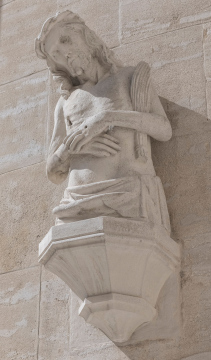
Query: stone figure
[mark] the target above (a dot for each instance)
(103, 123)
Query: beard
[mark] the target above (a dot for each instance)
(79, 63)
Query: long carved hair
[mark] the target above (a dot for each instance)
(98, 49)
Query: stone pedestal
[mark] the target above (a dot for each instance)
(116, 266)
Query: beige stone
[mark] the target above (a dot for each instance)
(100, 353)
(207, 64)
(143, 19)
(118, 267)
(184, 173)
(106, 14)
(140, 19)
(54, 325)
(25, 203)
(176, 60)
(94, 340)
(196, 284)
(82, 332)
(208, 95)
(23, 116)
(186, 182)
(53, 97)
(17, 41)
(207, 50)
(202, 356)
(19, 311)
(184, 121)
(103, 352)
(196, 310)
(4, 2)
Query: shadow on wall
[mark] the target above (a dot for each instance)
(183, 164)
(0, 17)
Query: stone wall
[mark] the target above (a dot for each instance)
(38, 315)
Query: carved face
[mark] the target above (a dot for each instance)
(67, 47)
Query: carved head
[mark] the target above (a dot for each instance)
(71, 50)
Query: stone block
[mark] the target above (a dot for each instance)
(85, 337)
(20, 25)
(100, 16)
(143, 19)
(26, 202)
(176, 61)
(53, 330)
(23, 116)
(19, 300)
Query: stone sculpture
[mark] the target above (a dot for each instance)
(103, 123)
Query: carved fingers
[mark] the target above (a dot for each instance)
(100, 146)
(103, 145)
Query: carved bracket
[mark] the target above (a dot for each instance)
(118, 268)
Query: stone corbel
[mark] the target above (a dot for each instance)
(117, 267)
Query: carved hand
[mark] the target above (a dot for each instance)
(85, 133)
(100, 146)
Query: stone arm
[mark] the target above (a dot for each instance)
(57, 163)
(154, 123)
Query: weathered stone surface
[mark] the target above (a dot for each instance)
(185, 121)
(201, 356)
(207, 64)
(54, 318)
(179, 78)
(19, 306)
(92, 339)
(53, 97)
(23, 116)
(26, 203)
(103, 352)
(186, 181)
(176, 61)
(207, 50)
(17, 41)
(4, 2)
(196, 284)
(82, 332)
(118, 267)
(105, 13)
(142, 19)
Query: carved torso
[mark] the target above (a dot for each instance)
(112, 93)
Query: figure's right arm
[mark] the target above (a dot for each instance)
(58, 161)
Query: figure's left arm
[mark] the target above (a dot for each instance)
(155, 123)
(150, 119)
